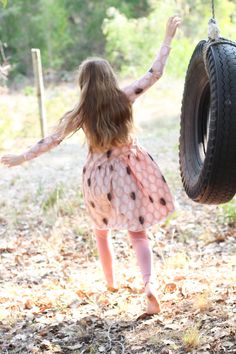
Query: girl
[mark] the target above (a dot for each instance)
(122, 185)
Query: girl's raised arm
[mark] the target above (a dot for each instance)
(155, 72)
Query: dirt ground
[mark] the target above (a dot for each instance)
(52, 292)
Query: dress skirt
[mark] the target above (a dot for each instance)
(124, 189)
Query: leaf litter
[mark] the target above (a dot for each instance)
(53, 297)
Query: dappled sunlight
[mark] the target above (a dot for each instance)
(49, 284)
(53, 296)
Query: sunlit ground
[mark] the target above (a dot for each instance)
(52, 295)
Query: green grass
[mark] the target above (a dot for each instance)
(228, 213)
(54, 196)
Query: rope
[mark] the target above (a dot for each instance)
(213, 29)
(213, 36)
(213, 8)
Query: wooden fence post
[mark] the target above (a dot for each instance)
(38, 75)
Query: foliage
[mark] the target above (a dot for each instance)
(229, 212)
(132, 43)
(128, 32)
(4, 2)
(66, 31)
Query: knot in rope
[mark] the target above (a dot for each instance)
(213, 30)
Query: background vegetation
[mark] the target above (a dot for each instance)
(127, 32)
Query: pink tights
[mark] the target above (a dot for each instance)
(141, 247)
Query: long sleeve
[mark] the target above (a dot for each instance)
(42, 146)
(148, 79)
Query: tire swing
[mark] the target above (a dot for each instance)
(207, 146)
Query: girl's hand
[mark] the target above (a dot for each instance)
(171, 27)
(12, 160)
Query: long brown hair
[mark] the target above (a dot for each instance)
(104, 112)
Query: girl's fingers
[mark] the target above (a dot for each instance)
(177, 21)
(5, 161)
(177, 24)
(174, 18)
(173, 22)
(8, 160)
(6, 157)
(174, 25)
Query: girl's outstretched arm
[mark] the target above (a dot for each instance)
(68, 124)
(155, 72)
(39, 148)
(42, 146)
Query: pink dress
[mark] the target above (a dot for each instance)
(123, 188)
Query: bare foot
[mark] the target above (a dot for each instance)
(153, 306)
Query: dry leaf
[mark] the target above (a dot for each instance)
(29, 304)
(19, 260)
(45, 306)
(179, 277)
(3, 299)
(170, 287)
(84, 294)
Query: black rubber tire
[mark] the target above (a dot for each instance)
(207, 146)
